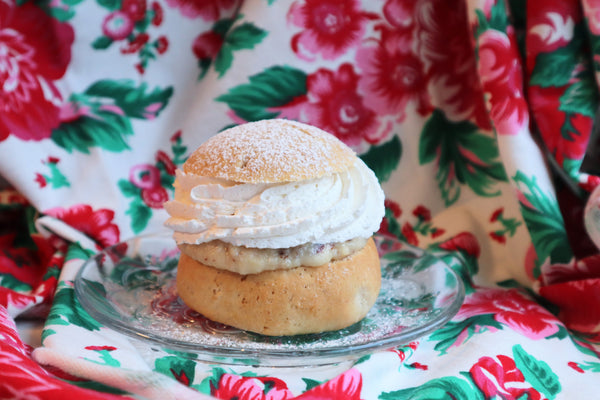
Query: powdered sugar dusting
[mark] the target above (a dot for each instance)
(270, 151)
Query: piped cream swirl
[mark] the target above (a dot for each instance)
(330, 209)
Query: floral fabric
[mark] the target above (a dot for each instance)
(476, 116)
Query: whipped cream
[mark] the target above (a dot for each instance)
(330, 209)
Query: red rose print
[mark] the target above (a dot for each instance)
(41, 180)
(95, 224)
(394, 207)
(576, 367)
(422, 212)
(136, 9)
(497, 214)
(158, 15)
(346, 386)
(499, 377)
(100, 348)
(498, 237)
(335, 106)
(546, 105)
(251, 388)
(409, 234)
(464, 241)
(393, 76)
(330, 27)
(449, 60)
(136, 44)
(502, 80)
(207, 45)
(512, 309)
(163, 158)
(208, 10)
(162, 44)
(155, 197)
(399, 13)
(30, 61)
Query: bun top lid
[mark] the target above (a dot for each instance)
(270, 151)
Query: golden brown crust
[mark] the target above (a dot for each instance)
(285, 302)
(270, 151)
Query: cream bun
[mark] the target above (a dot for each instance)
(274, 220)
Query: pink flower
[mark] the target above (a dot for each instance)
(95, 224)
(144, 176)
(208, 10)
(499, 377)
(500, 71)
(330, 27)
(393, 76)
(335, 106)
(592, 11)
(117, 25)
(512, 309)
(251, 388)
(346, 386)
(30, 61)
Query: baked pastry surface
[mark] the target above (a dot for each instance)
(285, 302)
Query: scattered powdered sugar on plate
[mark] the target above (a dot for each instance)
(139, 298)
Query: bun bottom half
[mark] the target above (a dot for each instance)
(294, 301)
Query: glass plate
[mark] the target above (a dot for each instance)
(130, 287)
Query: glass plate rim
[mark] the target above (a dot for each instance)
(331, 355)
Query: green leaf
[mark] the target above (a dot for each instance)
(244, 36)
(311, 383)
(271, 88)
(544, 222)
(76, 252)
(176, 367)
(384, 159)
(61, 14)
(537, 373)
(112, 5)
(555, 68)
(446, 388)
(102, 42)
(128, 189)
(447, 336)
(135, 101)
(67, 310)
(464, 156)
(107, 131)
(223, 60)
(498, 17)
(580, 98)
(10, 282)
(140, 215)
